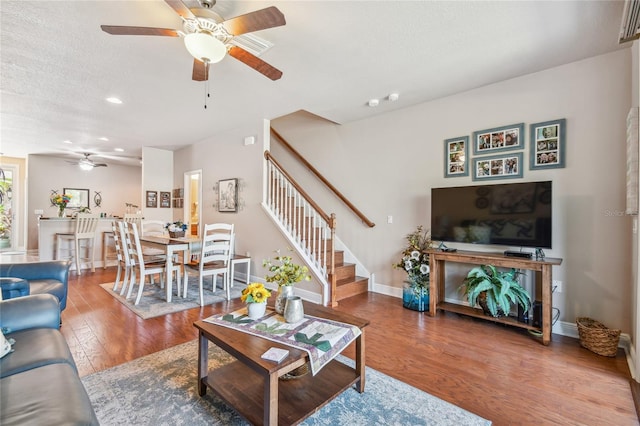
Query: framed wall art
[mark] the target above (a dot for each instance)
(79, 198)
(165, 199)
(456, 157)
(228, 195)
(152, 199)
(505, 138)
(548, 144)
(504, 166)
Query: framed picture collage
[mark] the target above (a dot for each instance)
(498, 152)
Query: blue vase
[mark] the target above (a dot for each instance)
(415, 298)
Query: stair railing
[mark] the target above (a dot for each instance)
(324, 180)
(308, 228)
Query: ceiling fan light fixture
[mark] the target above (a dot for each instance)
(85, 165)
(205, 47)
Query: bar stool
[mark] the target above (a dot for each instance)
(86, 225)
(107, 238)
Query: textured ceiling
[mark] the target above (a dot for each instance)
(57, 66)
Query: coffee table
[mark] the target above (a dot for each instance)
(251, 384)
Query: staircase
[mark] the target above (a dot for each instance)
(311, 233)
(347, 282)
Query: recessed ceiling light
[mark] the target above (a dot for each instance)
(104, 139)
(373, 102)
(118, 149)
(394, 97)
(67, 141)
(114, 100)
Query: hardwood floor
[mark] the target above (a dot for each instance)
(500, 373)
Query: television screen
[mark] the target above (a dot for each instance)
(511, 214)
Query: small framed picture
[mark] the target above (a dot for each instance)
(228, 195)
(505, 166)
(152, 199)
(505, 138)
(165, 199)
(456, 155)
(548, 144)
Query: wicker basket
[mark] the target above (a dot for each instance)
(297, 373)
(597, 338)
(176, 234)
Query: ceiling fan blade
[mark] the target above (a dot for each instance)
(181, 9)
(199, 71)
(255, 21)
(255, 63)
(126, 30)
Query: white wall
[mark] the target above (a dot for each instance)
(157, 175)
(387, 164)
(117, 184)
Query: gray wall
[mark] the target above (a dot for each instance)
(386, 165)
(117, 184)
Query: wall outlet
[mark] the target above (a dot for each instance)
(38, 211)
(389, 219)
(557, 286)
(248, 254)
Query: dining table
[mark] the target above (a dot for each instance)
(172, 246)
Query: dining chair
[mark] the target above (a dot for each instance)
(133, 217)
(152, 227)
(122, 256)
(215, 258)
(85, 232)
(145, 267)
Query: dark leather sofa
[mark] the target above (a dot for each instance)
(50, 277)
(39, 382)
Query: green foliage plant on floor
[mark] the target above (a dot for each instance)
(497, 290)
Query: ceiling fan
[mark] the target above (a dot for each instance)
(208, 40)
(87, 164)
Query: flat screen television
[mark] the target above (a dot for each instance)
(510, 214)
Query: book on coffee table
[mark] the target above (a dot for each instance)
(275, 354)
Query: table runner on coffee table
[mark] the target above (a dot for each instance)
(321, 338)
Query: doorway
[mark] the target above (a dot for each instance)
(192, 201)
(8, 198)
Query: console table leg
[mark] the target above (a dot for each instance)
(203, 363)
(270, 400)
(547, 304)
(360, 362)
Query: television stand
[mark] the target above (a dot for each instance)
(438, 259)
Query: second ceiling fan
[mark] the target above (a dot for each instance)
(208, 40)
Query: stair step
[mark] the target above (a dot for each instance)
(351, 287)
(345, 271)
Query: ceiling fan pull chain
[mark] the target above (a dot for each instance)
(206, 83)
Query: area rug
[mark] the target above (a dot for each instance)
(160, 389)
(154, 299)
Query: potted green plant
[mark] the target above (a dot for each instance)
(495, 290)
(285, 273)
(415, 262)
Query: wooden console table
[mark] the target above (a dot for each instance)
(438, 258)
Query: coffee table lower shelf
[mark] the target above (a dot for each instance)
(243, 389)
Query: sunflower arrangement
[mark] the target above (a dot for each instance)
(255, 293)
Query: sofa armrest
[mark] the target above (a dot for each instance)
(52, 269)
(35, 311)
(13, 287)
